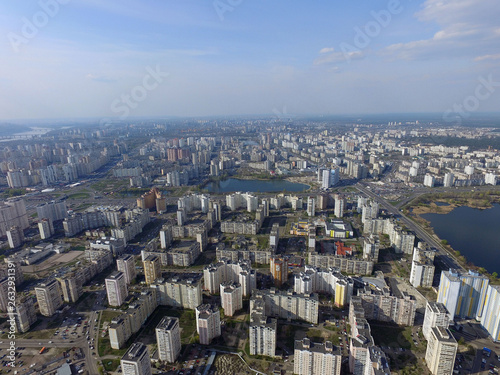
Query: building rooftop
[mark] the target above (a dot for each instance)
(325, 348)
(135, 352)
(167, 323)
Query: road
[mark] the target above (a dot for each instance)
(421, 233)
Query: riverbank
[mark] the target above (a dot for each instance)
(445, 203)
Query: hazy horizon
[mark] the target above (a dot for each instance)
(127, 59)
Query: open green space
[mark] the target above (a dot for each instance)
(81, 195)
(104, 348)
(392, 336)
(111, 364)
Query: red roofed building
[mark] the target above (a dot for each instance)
(342, 250)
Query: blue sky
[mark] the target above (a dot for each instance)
(81, 58)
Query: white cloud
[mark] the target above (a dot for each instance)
(329, 56)
(488, 57)
(468, 28)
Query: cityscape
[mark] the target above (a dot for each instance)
(237, 187)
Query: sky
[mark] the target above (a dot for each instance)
(123, 58)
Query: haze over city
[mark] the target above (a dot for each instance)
(77, 59)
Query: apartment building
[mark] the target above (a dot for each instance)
(490, 319)
(126, 264)
(180, 290)
(463, 294)
(312, 358)
(152, 269)
(231, 297)
(441, 351)
(136, 360)
(208, 323)
(168, 338)
(49, 297)
(262, 334)
(436, 315)
(287, 304)
(226, 270)
(279, 270)
(422, 268)
(116, 288)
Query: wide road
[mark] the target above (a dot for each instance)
(448, 259)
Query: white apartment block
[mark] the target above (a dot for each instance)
(436, 315)
(262, 335)
(422, 268)
(231, 297)
(312, 358)
(463, 294)
(490, 319)
(182, 290)
(286, 304)
(168, 338)
(136, 360)
(116, 288)
(208, 323)
(441, 351)
(49, 298)
(226, 270)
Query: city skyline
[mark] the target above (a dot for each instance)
(121, 60)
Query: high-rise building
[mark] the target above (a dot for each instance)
(274, 236)
(436, 315)
(339, 205)
(181, 290)
(26, 314)
(136, 360)
(226, 270)
(262, 334)
(116, 288)
(13, 213)
(48, 297)
(490, 319)
(441, 351)
(463, 294)
(326, 179)
(371, 247)
(279, 270)
(4, 294)
(54, 210)
(15, 236)
(126, 264)
(152, 268)
(231, 297)
(448, 179)
(168, 338)
(165, 236)
(71, 287)
(311, 206)
(46, 228)
(311, 358)
(207, 323)
(422, 268)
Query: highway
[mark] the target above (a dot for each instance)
(448, 259)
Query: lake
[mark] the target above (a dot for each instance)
(473, 232)
(254, 186)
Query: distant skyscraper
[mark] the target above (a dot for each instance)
(46, 228)
(15, 236)
(326, 179)
(168, 338)
(339, 205)
(136, 360)
(13, 213)
(311, 206)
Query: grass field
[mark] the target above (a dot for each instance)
(81, 195)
